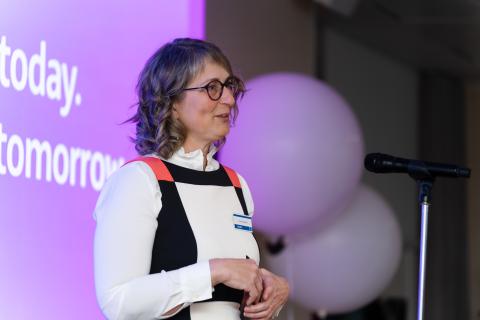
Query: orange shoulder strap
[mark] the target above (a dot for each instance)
(233, 177)
(157, 166)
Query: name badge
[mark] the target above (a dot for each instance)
(242, 222)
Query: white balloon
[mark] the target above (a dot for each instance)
(300, 148)
(348, 264)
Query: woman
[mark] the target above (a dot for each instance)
(173, 237)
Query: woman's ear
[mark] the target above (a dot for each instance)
(175, 112)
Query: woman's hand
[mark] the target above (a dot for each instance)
(274, 296)
(242, 274)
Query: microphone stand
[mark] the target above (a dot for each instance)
(424, 174)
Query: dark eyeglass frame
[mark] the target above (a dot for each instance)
(236, 90)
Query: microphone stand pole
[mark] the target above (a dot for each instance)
(425, 188)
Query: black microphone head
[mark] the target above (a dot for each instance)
(463, 172)
(419, 170)
(374, 162)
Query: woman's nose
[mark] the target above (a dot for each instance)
(227, 97)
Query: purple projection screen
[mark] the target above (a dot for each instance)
(67, 75)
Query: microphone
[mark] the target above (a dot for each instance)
(384, 163)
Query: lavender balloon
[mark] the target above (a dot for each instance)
(299, 146)
(348, 264)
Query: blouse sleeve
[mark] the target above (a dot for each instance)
(126, 215)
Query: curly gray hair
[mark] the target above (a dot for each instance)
(160, 84)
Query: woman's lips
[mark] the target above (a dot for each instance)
(223, 115)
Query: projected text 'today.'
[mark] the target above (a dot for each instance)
(47, 78)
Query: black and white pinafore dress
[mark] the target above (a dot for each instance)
(196, 224)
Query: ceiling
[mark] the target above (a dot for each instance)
(436, 35)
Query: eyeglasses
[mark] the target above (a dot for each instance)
(215, 88)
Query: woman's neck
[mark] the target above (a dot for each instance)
(190, 146)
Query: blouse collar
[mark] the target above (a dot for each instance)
(194, 159)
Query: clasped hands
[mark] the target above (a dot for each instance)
(265, 292)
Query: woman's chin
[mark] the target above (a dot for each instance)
(220, 137)
(223, 133)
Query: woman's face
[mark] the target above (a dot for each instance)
(205, 120)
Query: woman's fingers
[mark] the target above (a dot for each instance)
(254, 308)
(243, 274)
(252, 296)
(259, 286)
(274, 295)
(256, 287)
(267, 292)
(260, 310)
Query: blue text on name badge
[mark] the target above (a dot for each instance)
(242, 222)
